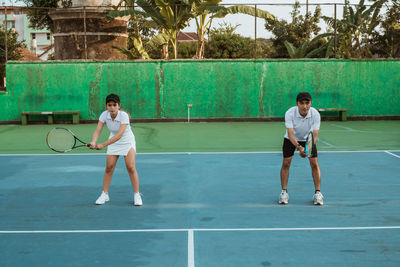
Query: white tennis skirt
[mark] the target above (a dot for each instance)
(122, 146)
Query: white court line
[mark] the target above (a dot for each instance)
(326, 143)
(346, 128)
(190, 248)
(189, 153)
(91, 231)
(201, 229)
(397, 156)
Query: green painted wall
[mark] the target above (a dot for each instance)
(217, 89)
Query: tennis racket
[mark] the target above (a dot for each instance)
(63, 140)
(309, 147)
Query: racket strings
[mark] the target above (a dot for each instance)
(60, 140)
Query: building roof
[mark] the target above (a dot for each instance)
(187, 37)
(46, 49)
(27, 55)
(22, 9)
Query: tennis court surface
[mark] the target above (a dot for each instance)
(210, 194)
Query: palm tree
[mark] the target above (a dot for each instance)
(356, 27)
(209, 8)
(133, 20)
(168, 16)
(303, 50)
(171, 16)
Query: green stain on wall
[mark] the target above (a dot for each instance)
(159, 92)
(94, 94)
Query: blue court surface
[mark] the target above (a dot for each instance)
(200, 209)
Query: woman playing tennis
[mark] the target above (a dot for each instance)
(120, 143)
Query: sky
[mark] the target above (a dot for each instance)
(247, 27)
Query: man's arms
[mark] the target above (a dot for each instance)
(293, 140)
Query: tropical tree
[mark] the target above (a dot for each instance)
(13, 49)
(169, 24)
(306, 51)
(39, 16)
(168, 16)
(136, 29)
(204, 11)
(297, 32)
(386, 40)
(225, 43)
(354, 31)
(187, 50)
(201, 10)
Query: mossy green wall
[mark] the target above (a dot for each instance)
(216, 88)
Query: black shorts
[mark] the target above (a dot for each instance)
(288, 148)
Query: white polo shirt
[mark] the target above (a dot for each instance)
(113, 125)
(301, 126)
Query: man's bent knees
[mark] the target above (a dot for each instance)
(314, 163)
(286, 163)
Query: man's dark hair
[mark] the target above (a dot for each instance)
(113, 98)
(303, 96)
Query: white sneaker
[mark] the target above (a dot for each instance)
(137, 199)
(318, 198)
(103, 198)
(283, 198)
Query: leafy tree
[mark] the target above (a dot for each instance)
(304, 50)
(264, 48)
(39, 16)
(204, 11)
(225, 43)
(354, 31)
(296, 32)
(201, 10)
(168, 16)
(187, 50)
(138, 30)
(386, 41)
(169, 24)
(13, 50)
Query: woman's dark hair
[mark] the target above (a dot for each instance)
(113, 98)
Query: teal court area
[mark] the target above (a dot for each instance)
(200, 209)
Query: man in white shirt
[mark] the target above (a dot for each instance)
(299, 121)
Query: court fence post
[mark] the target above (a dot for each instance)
(335, 38)
(84, 29)
(189, 106)
(6, 33)
(255, 31)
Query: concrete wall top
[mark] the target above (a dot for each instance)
(81, 3)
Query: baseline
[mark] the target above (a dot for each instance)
(202, 229)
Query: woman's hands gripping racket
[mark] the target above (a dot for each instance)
(309, 146)
(63, 140)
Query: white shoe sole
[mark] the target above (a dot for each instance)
(318, 203)
(283, 202)
(99, 203)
